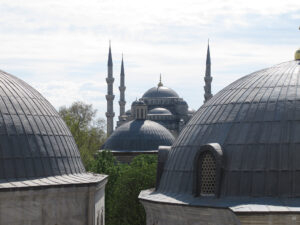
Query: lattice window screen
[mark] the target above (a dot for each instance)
(208, 174)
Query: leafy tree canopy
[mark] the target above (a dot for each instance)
(125, 182)
(87, 130)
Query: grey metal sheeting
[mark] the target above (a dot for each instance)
(34, 141)
(256, 120)
(236, 204)
(160, 92)
(68, 179)
(139, 135)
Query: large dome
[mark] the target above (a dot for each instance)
(139, 135)
(34, 141)
(160, 92)
(256, 122)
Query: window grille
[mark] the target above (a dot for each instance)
(208, 169)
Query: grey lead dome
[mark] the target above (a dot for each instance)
(160, 92)
(34, 141)
(139, 135)
(256, 120)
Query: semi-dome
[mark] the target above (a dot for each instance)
(34, 142)
(160, 92)
(139, 135)
(159, 111)
(254, 125)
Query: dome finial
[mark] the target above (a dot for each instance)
(297, 53)
(160, 84)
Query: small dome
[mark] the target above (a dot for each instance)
(128, 112)
(138, 102)
(159, 111)
(256, 121)
(160, 92)
(139, 135)
(34, 142)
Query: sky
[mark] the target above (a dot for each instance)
(61, 47)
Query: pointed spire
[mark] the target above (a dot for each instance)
(122, 67)
(160, 84)
(109, 63)
(208, 54)
(208, 78)
(122, 89)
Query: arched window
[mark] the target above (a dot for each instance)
(208, 174)
(208, 167)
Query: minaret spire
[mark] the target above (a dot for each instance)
(110, 95)
(122, 89)
(160, 83)
(208, 77)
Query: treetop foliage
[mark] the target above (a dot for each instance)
(87, 130)
(125, 182)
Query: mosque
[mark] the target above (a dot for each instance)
(237, 160)
(154, 120)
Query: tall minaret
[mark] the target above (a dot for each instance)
(110, 95)
(122, 89)
(208, 77)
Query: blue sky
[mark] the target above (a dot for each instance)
(60, 47)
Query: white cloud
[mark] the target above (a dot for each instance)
(60, 47)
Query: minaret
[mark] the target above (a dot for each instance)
(122, 89)
(208, 77)
(110, 95)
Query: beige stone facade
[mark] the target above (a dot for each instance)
(80, 204)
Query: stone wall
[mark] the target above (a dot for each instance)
(174, 214)
(279, 218)
(65, 205)
(171, 214)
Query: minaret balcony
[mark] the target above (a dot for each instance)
(110, 80)
(122, 103)
(207, 79)
(207, 95)
(110, 97)
(110, 114)
(122, 88)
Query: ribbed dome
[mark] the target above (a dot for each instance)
(34, 140)
(139, 135)
(160, 92)
(159, 111)
(256, 120)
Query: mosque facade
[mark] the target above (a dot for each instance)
(164, 105)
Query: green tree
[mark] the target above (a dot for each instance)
(125, 182)
(106, 163)
(87, 130)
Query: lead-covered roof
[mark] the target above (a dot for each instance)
(34, 140)
(256, 120)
